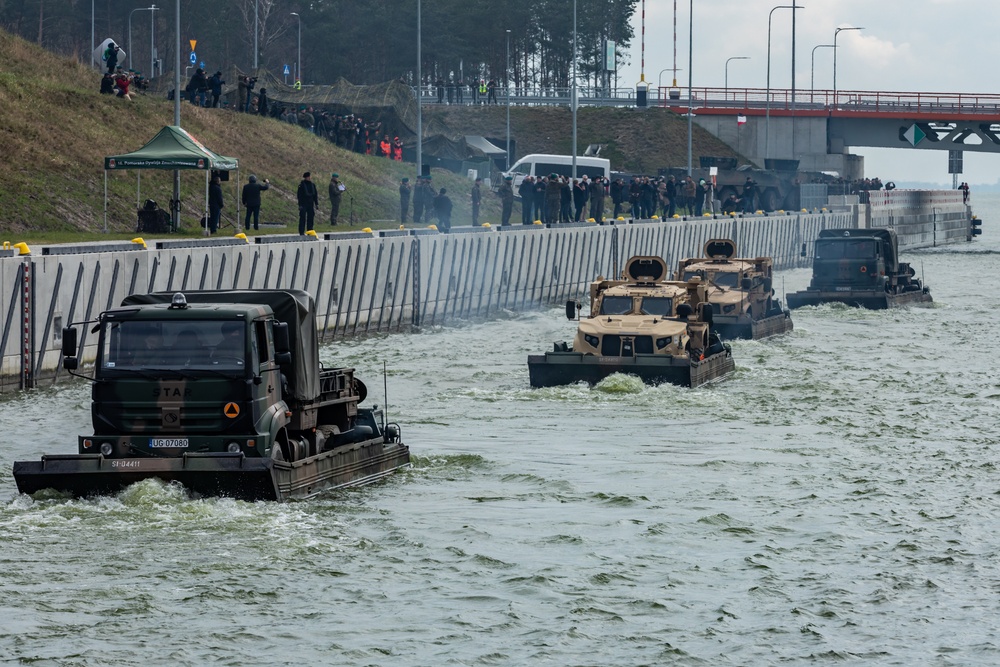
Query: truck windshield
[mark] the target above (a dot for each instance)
(616, 305)
(845, 249)
(207, 344)
(657, 305)
(720, 278)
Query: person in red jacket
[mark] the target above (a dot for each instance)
(122, 80)
(397, 150)
(385, 148)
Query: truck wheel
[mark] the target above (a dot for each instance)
(770, 200)
(725, 192)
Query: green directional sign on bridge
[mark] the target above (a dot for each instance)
(914, 135)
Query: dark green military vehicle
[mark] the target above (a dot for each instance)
(222, 391)
(860, 267)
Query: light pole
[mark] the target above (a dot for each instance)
(690, 84)
(507, 76)
(837, 32)
(93, 47)
(175, 203)
(812, 69)
(572, 100)
(298, 66)
(255, 31)
(767, 113)
(139, 9)
(420, 128)
(152, 33)
(727, 69)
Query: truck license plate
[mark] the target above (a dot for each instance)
(843, 289)
(168, 442)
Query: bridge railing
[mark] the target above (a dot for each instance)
(844, 100)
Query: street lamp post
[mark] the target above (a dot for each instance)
(690, 85)
(298, 66)
(420, 128)
(255, 31)
(812, 69)
(837, 32)
(507, 76)
(175, 203)
(727, 69)
(572, 100)
(152, 45)
(137, 9)
(767, 113)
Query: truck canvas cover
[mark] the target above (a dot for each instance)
(294, 307)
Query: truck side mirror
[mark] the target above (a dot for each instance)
(746, 284)
(69, 345)
(572, 309)
(282, 347)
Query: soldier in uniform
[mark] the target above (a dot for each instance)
(597, 199)
(404, 200)
(506, 194)
(477, 198)
(336, 191)
(553, 199)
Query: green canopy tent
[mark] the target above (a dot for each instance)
(172, 148)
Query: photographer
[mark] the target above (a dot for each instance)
(251, 82)
(215, 84)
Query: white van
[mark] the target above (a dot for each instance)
(539, 164)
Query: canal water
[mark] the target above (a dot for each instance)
(834, 502)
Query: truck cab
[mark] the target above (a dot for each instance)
(179, 377)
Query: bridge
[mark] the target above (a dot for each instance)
(926, 121)
(816, 127)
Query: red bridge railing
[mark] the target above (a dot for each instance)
(844, 100)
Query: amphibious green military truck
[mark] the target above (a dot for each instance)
(641, 325)
(860, 267)
(224, 392)
(740, 290)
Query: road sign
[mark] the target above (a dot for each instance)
(914, 135)
(193, 42)
(194, 58)
(287, 71)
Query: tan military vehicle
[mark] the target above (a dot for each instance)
(740, 291)
(641, 325)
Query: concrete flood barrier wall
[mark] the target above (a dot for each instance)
(364, 283)
(921, 218)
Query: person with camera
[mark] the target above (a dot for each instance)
(251, 82)
(215, 84)
(336, 191)
(251, 199)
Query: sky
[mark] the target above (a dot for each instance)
(906, 45)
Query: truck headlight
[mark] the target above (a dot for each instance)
(592, 341)
(106, 449)
(233, 447)
(663, 342)
(730, 308)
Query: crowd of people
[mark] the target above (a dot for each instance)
(117, 80)
(480, 92)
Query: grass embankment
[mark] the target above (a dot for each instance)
(57, 130)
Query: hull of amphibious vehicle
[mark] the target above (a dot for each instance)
(870, 299)
(560, 368)
(217, 474)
